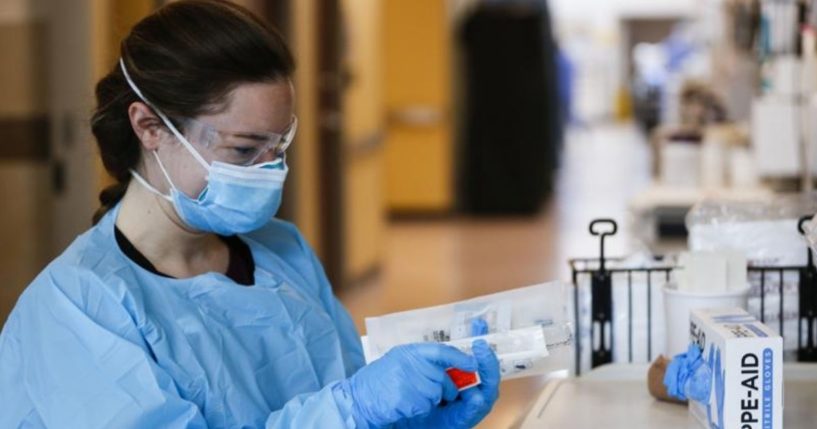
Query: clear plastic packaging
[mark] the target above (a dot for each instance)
(523, 326)
(766, 232)
(720, 212)
(516, 350)
(473, 319)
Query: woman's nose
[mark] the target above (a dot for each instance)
(268, 156)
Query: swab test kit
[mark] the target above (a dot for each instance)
(527, 328)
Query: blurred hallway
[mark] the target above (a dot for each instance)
(435, 262)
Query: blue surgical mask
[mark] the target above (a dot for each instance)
(236, 199)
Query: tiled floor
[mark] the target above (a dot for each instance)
(435, 262)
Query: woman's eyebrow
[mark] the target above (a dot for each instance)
(251, 136)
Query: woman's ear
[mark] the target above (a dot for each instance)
(147, 126)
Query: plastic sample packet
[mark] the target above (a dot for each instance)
(527, 328)
(518, 350)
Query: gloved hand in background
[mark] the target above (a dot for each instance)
(688, 376)
(471, 405)
(407, 382)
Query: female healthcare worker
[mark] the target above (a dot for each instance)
(187, 305)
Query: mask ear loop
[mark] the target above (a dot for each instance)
(164, 119)
(148, 186)
(164, 171)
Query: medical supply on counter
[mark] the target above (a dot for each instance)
(681, 161)
(764, 230)
(523, 326)
(776, 137)
(655, 380)
(678, 306)
(713, 163)
(705, 279)
(742, 168)
(720, 167)
(711, 271)
(687, 377)
(767, 233)
(745, 358)
(613, 397)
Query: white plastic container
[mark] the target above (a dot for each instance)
(679, 304)
(681, 164)
(742, 168)
(713, 164)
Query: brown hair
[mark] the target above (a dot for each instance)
(185, 58)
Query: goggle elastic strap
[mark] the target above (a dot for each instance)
(164, 118)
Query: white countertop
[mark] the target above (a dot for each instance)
(616, 396)
(658, 195)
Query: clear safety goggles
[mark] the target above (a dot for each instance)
(238, 147)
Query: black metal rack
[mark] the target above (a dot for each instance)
(601, 296)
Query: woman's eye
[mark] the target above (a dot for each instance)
(243, 151)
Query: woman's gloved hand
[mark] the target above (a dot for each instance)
(407, 381)
(472, 405)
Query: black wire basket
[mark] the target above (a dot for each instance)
(601, 274)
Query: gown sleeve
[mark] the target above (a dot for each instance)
(85, 364)
(349, 337)
(82, 362)
(284, 239)
(302, 411)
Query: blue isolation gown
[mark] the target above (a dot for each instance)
(96, 341)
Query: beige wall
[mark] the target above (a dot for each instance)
(24, 180)
(22, 91)
(363, 101)
(364, 205)
(70, 100)
(24, 188)
(305, 166)
(417, 69)
(54, 51)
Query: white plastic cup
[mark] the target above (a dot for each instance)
(679, 304)
(681, 164)
(713, 164)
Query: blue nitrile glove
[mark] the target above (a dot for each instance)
(408, 381)
(472, 405)
(479, 327)
(688, 376)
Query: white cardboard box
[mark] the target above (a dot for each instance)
(746, 359)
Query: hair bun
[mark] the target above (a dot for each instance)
(109, 197)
